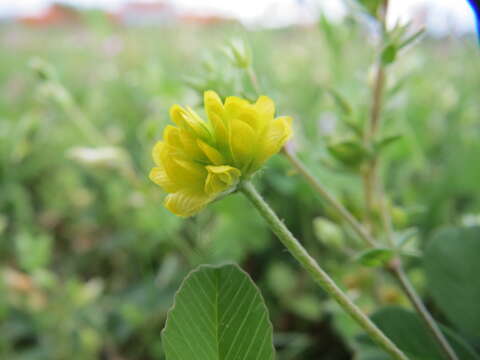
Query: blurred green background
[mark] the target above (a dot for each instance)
(89, 258)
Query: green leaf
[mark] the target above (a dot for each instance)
(375, 257)
(389, 54)
(404, 238)
(370, 353)
(340, 101)
(371, 6)
(452, 266)
(3, 223)
(218, 314)
(385, 141)
(350, 153)
(330, 32)
(412, 38)
(33, 251)
(239, 53)
(409, 333)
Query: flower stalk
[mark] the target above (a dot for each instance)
(316, 272)
(375, 194)
(329, 198)
(395, 267)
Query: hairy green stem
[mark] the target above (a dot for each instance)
(341, 210)
(398, 271)
(375, 194)
(317, 273)
(370, 173)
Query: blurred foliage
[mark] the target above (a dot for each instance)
(451, 262)
(408, 332)
(90, 260)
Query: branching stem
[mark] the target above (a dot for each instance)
(375, 195)
(317, 273)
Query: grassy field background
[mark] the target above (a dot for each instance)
(89, 258)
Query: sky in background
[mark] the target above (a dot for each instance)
(444, 15)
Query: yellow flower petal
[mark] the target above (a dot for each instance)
(213, 103)
(242, 143)
(265, 107)
(221, 178)
(160, 177)
(220, 130)
(199, 161)
(184, 174)
(194, 169)
(190, 147)
(234, 106)
(177, 114)
(216, 114)
(276, 136)
(171, 135)
(189, 120)
(197, 124)
(156, 152)
(251, 117)
(211, 153)
(186, 204)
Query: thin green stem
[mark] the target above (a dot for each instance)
(398, 271)
(74, 113)
(370, 174)
(253, 79)
(375, 194)
(372, 126)
(327, 196)
(63, 97)
(317, 273)
(379, 85)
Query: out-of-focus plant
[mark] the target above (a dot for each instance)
(362, 155)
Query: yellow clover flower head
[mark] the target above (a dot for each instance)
(198, 162)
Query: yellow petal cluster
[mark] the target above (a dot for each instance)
(198, 161)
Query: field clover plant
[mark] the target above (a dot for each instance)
(107, 254)
(198, 162)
